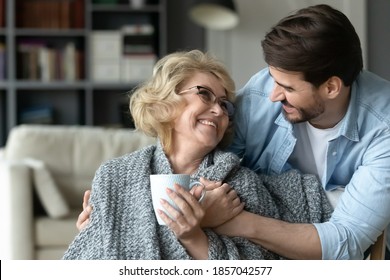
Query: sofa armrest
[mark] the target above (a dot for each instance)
(16, 211)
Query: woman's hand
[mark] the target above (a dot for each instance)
(221, 203)
(185, 222)
(83, 218)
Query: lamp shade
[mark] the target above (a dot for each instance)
(214, 14)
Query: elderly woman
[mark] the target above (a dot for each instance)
(188, 106)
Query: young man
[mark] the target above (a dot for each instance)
(316, 110)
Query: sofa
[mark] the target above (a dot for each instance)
(44, 172)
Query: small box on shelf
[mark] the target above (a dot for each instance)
(108, 71)
(106, 44)
(137, 67)
(106, 52)
(115, 60)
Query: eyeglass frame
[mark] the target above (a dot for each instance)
(216, 100)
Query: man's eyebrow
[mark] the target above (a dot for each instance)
(279, 84)
(284, 86)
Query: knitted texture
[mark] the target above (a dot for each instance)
(123, 224)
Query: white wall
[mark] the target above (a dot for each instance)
(240, 48)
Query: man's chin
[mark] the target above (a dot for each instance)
(293, 118)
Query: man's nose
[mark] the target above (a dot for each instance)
(277, 94)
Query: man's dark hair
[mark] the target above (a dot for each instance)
(319, 42)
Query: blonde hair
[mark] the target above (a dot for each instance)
(155, 104)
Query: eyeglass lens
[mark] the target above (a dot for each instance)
(209, 98)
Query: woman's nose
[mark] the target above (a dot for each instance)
(277, 94)
(217, 109)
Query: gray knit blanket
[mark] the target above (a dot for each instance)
(123, 224)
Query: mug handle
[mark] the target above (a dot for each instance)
(193, 184)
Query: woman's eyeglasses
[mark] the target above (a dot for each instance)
(208, 97)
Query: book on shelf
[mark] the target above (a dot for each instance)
(137, 29)
(38, 61)
(2, 61)
(77, 15)
(28, 58)
(37, 115)
(137, 38)
(129, 48)
(105, 2)
(44, 60)
(2, 13)
(69, 67)
(58, 14)
(64, 17)
(139, 57)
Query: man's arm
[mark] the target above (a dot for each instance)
(293, 241)
(83, 218)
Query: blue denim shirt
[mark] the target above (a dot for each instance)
(358, 159)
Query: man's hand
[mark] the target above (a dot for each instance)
(83, 219)
(221, 203)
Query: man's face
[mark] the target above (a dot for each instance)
(301, 101)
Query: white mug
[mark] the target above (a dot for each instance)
(160, 182)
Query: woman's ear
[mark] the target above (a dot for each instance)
(333, 87)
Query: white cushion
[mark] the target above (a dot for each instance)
(48, 192)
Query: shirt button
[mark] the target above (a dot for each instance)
(334, 153)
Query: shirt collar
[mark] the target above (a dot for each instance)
(349, 128)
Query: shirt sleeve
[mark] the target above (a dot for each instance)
(363, 210)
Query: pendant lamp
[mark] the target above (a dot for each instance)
(214, 14)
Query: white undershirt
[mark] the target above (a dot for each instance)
(319, 139)
(310, 152)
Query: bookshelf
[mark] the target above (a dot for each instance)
(74, 61)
